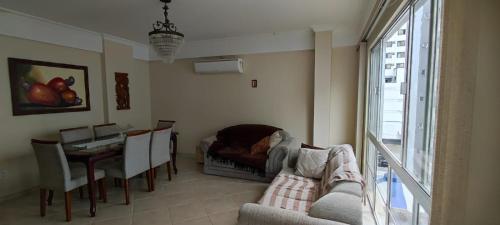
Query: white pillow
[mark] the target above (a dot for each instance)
(274, 140)
(311, 162)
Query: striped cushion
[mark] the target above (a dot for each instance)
(291, 192)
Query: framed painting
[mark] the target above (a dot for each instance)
(43, 87)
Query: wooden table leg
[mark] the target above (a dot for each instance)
(91, 187)
(174, 153)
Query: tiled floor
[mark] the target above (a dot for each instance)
(190, 198)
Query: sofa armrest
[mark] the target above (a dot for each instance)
(206, 142)
(338, 206)
(277, 154)
(254, 214)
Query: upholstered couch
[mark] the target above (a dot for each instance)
(341, 205)
(228, 168)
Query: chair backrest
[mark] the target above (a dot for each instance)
(105, 131)
(52, 164)
(136, 153)
(75, 135)
(166, 124)
(160, 146)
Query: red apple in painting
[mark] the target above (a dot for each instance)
(43, 95)
(58, 84)
(69, 97)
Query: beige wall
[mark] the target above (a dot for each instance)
(344, 93)
(18, 166)
(118, 58)
(204, 104)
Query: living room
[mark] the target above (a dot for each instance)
(259, 101)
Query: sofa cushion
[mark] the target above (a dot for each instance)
(311, 162)
(293, 153)
(340, 207)
(288, 191)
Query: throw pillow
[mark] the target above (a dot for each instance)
(260, 147)
(274, 140)
(311, 163)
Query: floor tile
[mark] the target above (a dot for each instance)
(190, 198)
(224, 218)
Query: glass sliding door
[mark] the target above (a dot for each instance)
(401, 110)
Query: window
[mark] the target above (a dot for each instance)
(401, 117)
(390, 43)
(390, 80)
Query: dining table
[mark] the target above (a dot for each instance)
(91, 151)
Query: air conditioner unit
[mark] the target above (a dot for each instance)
(219, 66)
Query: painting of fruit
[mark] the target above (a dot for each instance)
(43, 87)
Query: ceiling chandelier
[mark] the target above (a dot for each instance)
(164, 38)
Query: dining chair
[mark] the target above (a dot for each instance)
(160, 151)
(135, 160)
(72, 135)
(77, 134)
(166, 124)
(57, 175)
(105, 131)
(170, 124)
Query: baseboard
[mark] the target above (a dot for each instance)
(17, 194)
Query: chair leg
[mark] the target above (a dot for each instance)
(118, 182)
(125, 188)
(149, 176)
(152, 174)
(168, 171)
(155, 172)
(80, 190)
(102, 190)
(67, 201)
(43, 201)
(51, 196)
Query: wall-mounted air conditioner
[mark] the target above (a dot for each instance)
(234, 65)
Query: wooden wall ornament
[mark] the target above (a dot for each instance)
(122, 91)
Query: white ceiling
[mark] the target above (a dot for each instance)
(199, 19)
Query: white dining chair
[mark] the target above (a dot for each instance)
(74, 135)
(56, 175)
(135, 160)
(160, 151)
(105, 131)
(167, 124)
(77, 134)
